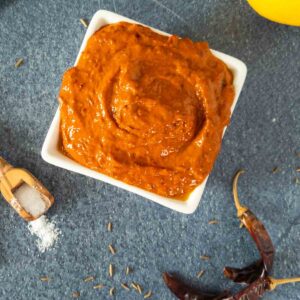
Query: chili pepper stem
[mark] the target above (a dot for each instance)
(275, 282)
(240, 209)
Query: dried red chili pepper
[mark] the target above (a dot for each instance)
(246, 275)
(184, 292)
(256, 289)
(255, 275)
(261, 238)
(253, 291)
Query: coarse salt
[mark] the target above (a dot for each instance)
(31, 200)
(46, 232)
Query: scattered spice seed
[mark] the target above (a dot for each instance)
(125, 286)
(298, 170)
(111, 270)
(111, 249)
(19, 62)
(297, 180)
(84, 22)
(213, 222)
(241, 225)
(98, 286)
(275, 170)
(76, 294)
(112, 291)
(148, 295)
(134, 286)
(205, 257)
(44, 278)
(139, 288)
(128, 270)
(200, 274)
(89, 278)
(109, 226)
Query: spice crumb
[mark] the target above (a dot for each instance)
(213, 222)
(200, 274)
(205, 257)
(128, 270)
(111, 249)
(109, 226)
(19, 62)
(76, 294)
(297, 180)
(89, 278)
(241, 225)
(112, 291)
(111, 270)
(148, 295)
(298, 170)
(84, 22)
(98, 286)
(125, 286)
(44, 278)
(275, 170)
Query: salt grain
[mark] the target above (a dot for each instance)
(30, 199)
(46, 232)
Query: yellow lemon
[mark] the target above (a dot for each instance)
(281, 11)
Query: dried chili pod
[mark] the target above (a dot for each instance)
(184, 292)
(247, 274)
(261, 238)
(253, 291)
(256, 289)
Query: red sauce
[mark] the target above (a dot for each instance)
(146, 109)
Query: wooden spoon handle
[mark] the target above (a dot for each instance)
(4, 166)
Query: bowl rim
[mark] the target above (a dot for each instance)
(52, 155)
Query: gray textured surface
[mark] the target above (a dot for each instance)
(264, 133)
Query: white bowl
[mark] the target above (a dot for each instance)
(52, 155)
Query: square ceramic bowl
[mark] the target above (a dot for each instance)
(52, 155)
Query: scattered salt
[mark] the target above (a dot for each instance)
(46, 232)
(30, 199)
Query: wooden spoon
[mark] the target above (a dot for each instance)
(11, 179)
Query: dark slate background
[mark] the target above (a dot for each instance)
(264, 133)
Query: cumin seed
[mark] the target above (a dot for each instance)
(111, 270)
(205, 257)
(76, 294)
(128, 270)
(139, 288)
(84, 22)
(112, 291)
(19, 62)
(213, 222)
(148, 295)
(44, 278)
(89, 278)
(109, 226)
(98, 286)
(200, 274)
(111, 249)
(125, 286)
